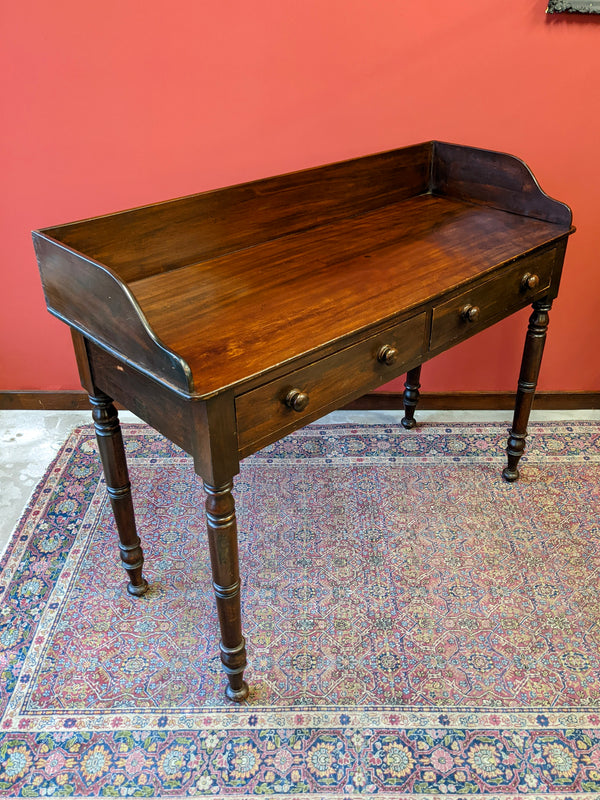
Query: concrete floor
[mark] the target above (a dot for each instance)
(31, 439)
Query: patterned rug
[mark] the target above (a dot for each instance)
(415, 625)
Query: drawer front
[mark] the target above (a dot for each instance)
(486, 302)
(356, 369)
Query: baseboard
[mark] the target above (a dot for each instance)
(44, 401)
(478, 401)
(452, 401)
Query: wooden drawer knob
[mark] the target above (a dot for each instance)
(470, 313)
(387, 354)
(530, 281)
(296, 400)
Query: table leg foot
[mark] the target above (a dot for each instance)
(514, 451)
(411, 397)
(222, 540)
(510, 475)
(238, 695)
(138, 589)
(530, 369)
(114, 463)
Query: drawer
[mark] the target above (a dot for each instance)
(285, 402)
(486, 302)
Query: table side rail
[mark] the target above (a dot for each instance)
(495, 179)
(94, 301)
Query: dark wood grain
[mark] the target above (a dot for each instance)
(292, 263)
(319, 286)
(263, 414)
(492, 299)
(205, 429)
(165, 236)
(79, 291)
(231, 318)
(493, 179)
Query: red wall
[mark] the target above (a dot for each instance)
(121, 103)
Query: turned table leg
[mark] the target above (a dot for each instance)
(112, 454)
(530, 368)
(411, 396)
(222, 542)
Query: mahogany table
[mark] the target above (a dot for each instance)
(230, 318)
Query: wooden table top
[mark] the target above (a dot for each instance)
(207, 292)
(238, 315)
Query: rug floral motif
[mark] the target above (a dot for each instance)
(415, 625)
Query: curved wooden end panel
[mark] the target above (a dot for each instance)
(90, 298)
(495, 179)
